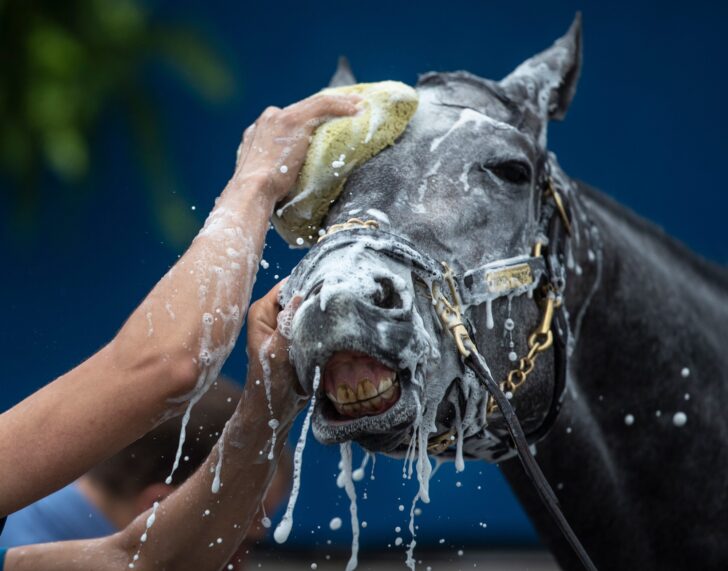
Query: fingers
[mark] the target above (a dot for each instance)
(320, 107)
(295, 303)
(266, 309)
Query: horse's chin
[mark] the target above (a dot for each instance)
(362, 399)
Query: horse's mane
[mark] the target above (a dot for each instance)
(712, 272)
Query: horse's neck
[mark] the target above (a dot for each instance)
(650, 354)
(658, 312)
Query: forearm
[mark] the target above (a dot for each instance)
(181, 334)
(195, 313)
(194, 528)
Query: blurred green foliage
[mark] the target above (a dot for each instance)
(62, 64)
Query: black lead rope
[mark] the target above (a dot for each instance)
(531, 467)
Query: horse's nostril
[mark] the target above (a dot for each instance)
(387, 296)
(316, 289)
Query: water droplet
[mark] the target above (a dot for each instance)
(679, 419)
(629, 419)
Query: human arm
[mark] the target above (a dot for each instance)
(190, 521)
(177, 340)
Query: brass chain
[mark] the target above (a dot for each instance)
(539, 341)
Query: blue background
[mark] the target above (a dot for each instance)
(647, 127)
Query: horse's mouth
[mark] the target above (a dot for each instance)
(358, 385)
(365, 400)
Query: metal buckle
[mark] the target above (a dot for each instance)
(351, 223)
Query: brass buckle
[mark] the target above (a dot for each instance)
(350, 223)
(441, 442)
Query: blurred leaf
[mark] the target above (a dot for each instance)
(121, 21)
(52, 50)
(63, 64)
(173, 213)
(195, 62)
(175, 217)
(67, 153)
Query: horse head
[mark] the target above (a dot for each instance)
(465, 186)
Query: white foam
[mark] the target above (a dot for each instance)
(345, 448)
(283, 529)
(267, 383)
(216, 483)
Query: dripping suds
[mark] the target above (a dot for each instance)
(345, 448)
(283, 529)
(265, 365)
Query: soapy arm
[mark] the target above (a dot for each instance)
(196, 528)
(174, 345)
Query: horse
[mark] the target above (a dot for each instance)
(604, 333)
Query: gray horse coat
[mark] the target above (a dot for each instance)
(638, 455)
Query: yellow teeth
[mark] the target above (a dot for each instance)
(344, 394)
(366, 398)
(365, 390)
(384, 384)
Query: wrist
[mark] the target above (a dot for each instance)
(257, 185)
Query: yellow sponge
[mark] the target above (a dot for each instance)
(337, 147)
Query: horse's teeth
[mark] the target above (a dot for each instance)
(388, 394)
(385, 383)
(344, 394)
(366, 390)
(354, 407)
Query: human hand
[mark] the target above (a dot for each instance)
(268, 353)
(274, 147)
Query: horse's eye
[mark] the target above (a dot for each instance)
(515, 172)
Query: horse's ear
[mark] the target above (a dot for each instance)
(549, 79)
(343, 75)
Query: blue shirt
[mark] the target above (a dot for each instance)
(65, 514)
(2, 551)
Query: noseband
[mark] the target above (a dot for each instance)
(542, 275)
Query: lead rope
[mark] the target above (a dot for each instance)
(530, 466)
(452, 319)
